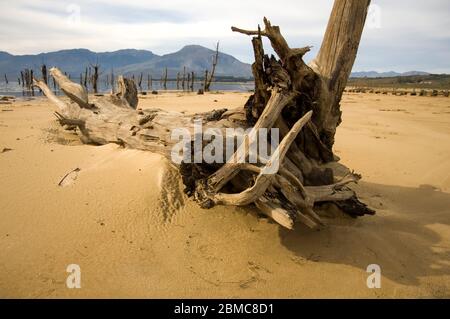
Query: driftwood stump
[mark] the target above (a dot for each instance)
(301, 100)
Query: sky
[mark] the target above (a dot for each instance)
(400, 35)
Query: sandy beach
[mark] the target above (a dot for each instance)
(122, 215)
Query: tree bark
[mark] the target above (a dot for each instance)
(335, 60)
(301, 101)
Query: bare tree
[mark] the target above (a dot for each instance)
(213, 69)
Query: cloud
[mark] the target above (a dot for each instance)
(401, 35)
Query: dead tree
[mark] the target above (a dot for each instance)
(178, 80)
(30, 81)
(113, 89)
(205, 81)
(165, 79)
(95, 77)
(301, 100)
(44, 73)
(22, 77)
(213, 69)
(192, 81)
(184, 78)
(188, 86)
(140, 82)
(86, 78)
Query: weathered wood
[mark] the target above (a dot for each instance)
(213, 69)
(335, 60)
(301, 100)
(165, 79)
(140, 81)
(205, 81)
(127, 91)
(44, 73)
(183, 83)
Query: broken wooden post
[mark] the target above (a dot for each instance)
(127, 92)
(165, 79)
(140, 81)
(192, 81)
(113, 88)
(188, 86)
(31, 82)
(205, 84)
(184, 78)
(22, 77)
(44, 73)
(86, 78)
(95, 78)
(178, 80)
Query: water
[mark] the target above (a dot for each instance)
(14, 89)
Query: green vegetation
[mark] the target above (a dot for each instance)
(431, 81)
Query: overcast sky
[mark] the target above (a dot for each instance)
(400, 35)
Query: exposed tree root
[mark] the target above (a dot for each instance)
(301, 101)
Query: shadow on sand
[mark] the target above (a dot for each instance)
(404, 238)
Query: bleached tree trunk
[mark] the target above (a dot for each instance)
(301, 101)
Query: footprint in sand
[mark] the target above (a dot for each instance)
(172, 198)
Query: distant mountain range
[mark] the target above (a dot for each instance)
(130, 61)
(374, 74)
(194, 57)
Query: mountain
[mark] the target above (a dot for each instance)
(374, 74)
(73, 61)
(196, 58)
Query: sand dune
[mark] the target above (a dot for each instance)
(123, 218)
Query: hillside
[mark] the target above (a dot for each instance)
(195, 58)
(431, 81)
(390, 74)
